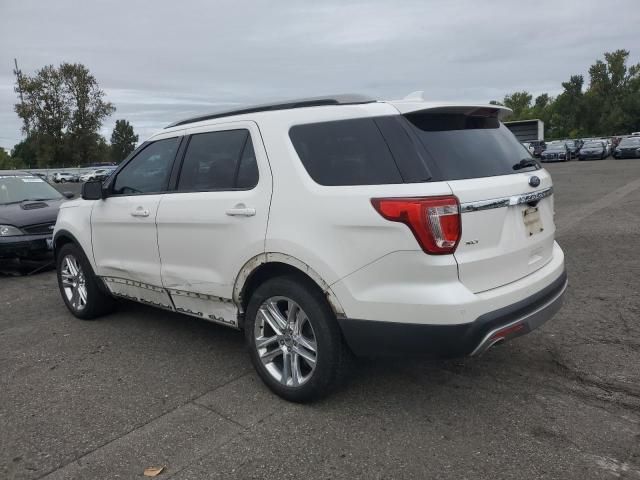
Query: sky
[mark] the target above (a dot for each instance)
(160, 61)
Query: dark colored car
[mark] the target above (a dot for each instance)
(573, 148)
(28, 211)
(593, 150)
(629, 147)
(538, 147)
(556, 152)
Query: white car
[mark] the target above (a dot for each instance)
(63, 177)
(99, 174)
(325, 227)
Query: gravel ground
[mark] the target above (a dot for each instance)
(143, 387)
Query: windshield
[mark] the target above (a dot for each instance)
(18, 188)
(555, 146)
(592, 145)
(628, 142)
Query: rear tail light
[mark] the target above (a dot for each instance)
(434, 221)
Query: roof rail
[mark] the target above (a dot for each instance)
(344, 99)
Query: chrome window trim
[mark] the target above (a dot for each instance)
(505, 201)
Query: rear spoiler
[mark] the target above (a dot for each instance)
(410, 106)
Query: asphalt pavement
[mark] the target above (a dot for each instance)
(143, 387)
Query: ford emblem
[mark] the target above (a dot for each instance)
(534, 181)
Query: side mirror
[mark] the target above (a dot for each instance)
(92, 190)
(68, 194)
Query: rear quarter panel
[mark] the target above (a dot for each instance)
(333, 229)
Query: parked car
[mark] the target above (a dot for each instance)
(556, 152)
(629, 147)
(99, 174)
(28, 210)
(573, 148)
(538, 147)
(63, 177)
(322, 227)
(594, 149)
(530, 148)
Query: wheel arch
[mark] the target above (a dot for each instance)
(271, 264)
(61, 238)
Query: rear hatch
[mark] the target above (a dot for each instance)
(506, 203)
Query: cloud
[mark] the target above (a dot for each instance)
(160, 61)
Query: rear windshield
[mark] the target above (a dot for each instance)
(408, 149)
(466, 146)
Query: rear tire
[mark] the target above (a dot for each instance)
(294, 340)
(80, 288)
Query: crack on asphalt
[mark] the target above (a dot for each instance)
(190, 401)
(610, 388)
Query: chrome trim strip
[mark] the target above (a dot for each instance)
(484, 344)
(505, 201)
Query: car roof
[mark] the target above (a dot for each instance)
(304, 107)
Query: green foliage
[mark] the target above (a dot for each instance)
(610, 104)
(62, 113)
(7, 162)
(123, 140)
(519, 102)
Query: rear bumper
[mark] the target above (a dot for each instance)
(25, 246)
(376, 338)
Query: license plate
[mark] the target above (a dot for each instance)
(532, 221)
(49, 243)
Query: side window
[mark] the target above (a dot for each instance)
(345, 152)
(149, 170)
(221, 160)
(248, 168)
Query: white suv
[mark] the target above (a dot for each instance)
(325, 227)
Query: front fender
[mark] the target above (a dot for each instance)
(74, 222)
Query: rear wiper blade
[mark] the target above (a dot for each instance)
(524, 163)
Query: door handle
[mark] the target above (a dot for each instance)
(140, 212)
(241, 210)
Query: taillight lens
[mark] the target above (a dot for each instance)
(434, 221)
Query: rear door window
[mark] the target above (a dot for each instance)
(222, 160)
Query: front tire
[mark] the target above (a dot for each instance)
(79, 286)
(294, 340)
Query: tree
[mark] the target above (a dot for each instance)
(25, 152)
(520, 103)
(123, 140)
(7, 162)
(45, 110)
(609, 105)
(62, 112)
(88, 110)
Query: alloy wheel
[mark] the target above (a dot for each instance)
(285, 341)
(74, 283)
